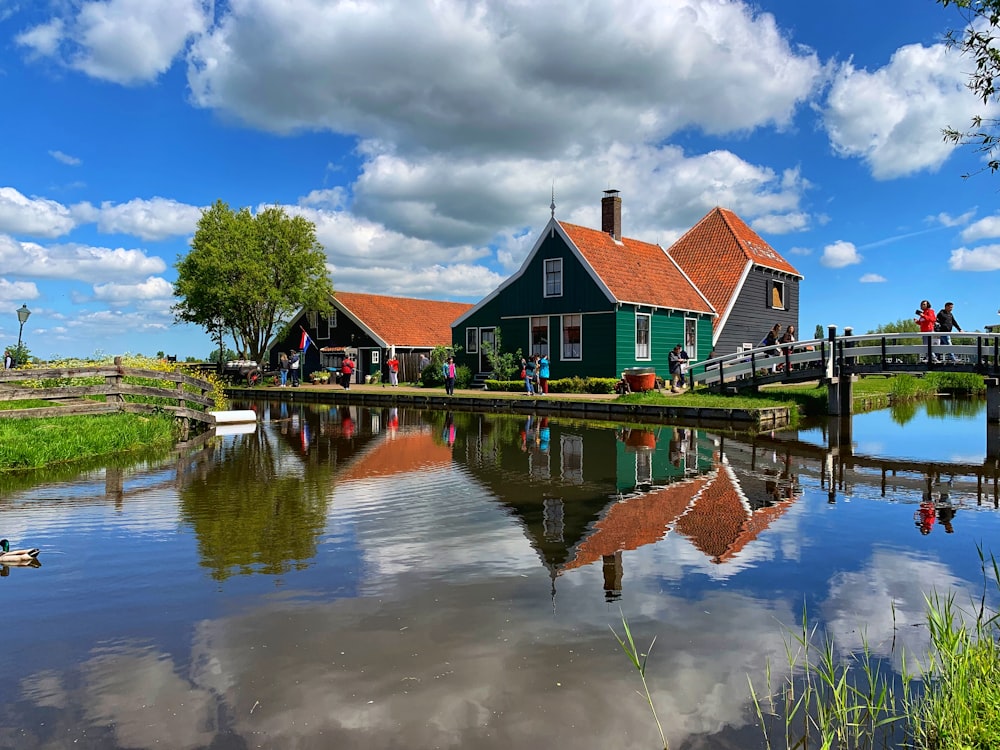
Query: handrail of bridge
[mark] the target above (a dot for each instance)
(971, 351)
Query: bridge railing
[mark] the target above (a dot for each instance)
(849, 354)
(762, 363)
(890, 352)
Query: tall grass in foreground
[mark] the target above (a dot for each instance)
(953, 703)
(632, 652)
(32, 443)
(826, 702)
(830, 702)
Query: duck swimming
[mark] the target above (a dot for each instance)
(10, 556)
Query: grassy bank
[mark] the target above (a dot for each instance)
(34, 443)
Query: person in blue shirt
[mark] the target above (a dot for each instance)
(543, 374)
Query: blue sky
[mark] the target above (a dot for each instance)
(424, 140)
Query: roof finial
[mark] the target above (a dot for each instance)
(552, 206)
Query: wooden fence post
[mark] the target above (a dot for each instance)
(114, 382)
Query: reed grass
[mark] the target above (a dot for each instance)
(860, 702)
(33, 443)
(952, 703)
(632, 652)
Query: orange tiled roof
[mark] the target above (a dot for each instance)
(403, 321)
(636, 521)
(401, 453)
(636, 271)
(716, 252)
(721, 524)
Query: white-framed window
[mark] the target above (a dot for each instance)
(571, 458)
(540, 335)
(572, 337)
(553, 277)
(776, 294)
(472, 340)
(691, 338)
(643, 321)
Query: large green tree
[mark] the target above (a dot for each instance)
(249, 274)
(978, 40)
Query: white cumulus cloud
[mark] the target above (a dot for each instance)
(153, 219)
(840, 254)
(872, 278)
(122, 41)
(985, 228)
(985, 258)
(892, 117)
(37, 217)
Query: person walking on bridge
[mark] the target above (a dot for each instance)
(926, 320)
(945, 323)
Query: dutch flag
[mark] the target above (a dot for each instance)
(305, 342)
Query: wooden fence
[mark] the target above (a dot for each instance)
(182, 400)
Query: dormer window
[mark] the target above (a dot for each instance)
(553, 277)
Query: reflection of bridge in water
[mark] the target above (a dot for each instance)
(840, 469)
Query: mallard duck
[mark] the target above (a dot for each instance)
(10, 556)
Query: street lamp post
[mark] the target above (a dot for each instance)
(22, 315)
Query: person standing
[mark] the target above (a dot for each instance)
(8, 360)
(347, 372)
(283, 369)
(683, 369)
(529, 376)
(945, 323)
(788, 337)
(293, 368)
(449, 372)
(543, 373)
(674, 365)
(393, 364)
(926, 320)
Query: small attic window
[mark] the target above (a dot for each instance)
(776, 294)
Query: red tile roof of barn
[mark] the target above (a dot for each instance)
(715, 252)
(403, 321)
(636, 271)
(401, 453)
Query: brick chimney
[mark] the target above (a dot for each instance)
(611, 214)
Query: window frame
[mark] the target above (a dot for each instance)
(563, 339)
(322, 327)
(639, 355)
(779, 286)
(472, 340)
(552, 268)
(545, 347)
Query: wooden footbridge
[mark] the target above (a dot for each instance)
(837, 361)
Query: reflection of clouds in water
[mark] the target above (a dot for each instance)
(884, 604)
(129, 691)
(458, 673)
(406, 528)
(141, 694)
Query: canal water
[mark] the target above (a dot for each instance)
(385, 578)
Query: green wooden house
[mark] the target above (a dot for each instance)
(593, 301)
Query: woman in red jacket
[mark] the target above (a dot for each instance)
(925, 317)
(926, 320)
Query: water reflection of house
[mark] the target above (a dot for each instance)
(712, 511)
(412, 450)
